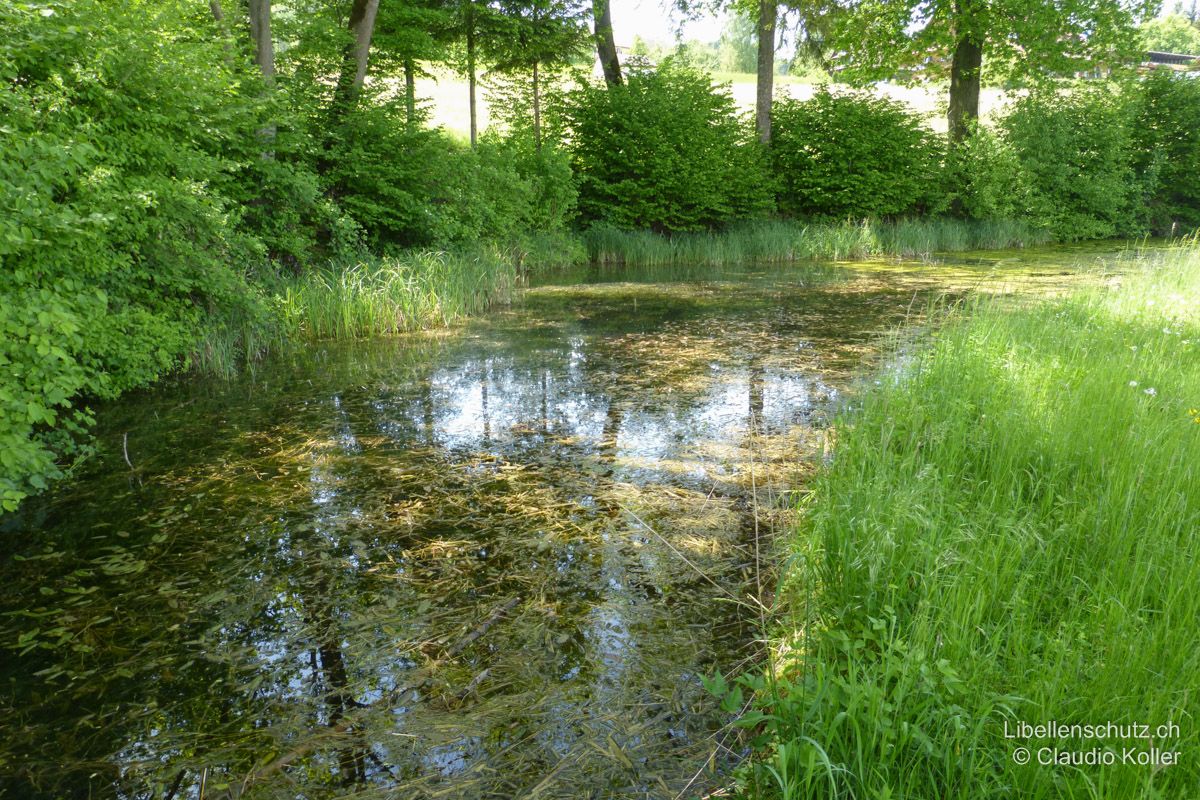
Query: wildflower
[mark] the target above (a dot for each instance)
(1133, 384)
(1152, 391)
(1194, 413)
(1133, 347)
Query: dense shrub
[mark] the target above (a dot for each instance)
(666, 151)
(1166, 138)
(853, 155)
(1076, 152)
(114, 247)
(415, 187)
(985, 178)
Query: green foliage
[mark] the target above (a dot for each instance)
(666, 151)
(425, 189)
(986, 177)
(1166, 137)
(1022, 40)
(852, 155)
(1172, 33)
(738, 46)
(114, 246)
(1004, 534)
(1075, 149)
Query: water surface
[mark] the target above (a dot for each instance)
(490, 562)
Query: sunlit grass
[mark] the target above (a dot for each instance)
(1007, 532)
(392, 295)
(782, 242)
(373, 297)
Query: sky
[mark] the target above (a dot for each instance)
(657, 21)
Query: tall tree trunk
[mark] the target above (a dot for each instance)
(471, 72)
(410, 94)
(768, 14)
(606, 45)
(264, 56)
(260, 33)
(537, 110)
(354, 65)
(223, 29)
(965, 73)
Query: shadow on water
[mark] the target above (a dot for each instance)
(487, 563)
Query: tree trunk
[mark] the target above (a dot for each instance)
(354, 65)
(537, 110)
(410, 94)
(768, 13)
(264, 56)
(965, 73)
(471, 73)
(260, 33)
(223, 29)
(606, 45)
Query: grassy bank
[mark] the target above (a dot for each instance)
(783, 241)
(1007, 534)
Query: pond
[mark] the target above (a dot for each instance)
(491, 562)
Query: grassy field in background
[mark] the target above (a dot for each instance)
(1007, 534)
(445, 97)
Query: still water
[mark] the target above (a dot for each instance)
(489, 562)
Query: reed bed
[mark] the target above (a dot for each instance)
(784, 241)
(393, 295)
(1007, 534)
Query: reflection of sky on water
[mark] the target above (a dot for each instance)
(350, 525)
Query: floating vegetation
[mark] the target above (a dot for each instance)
(488, 563)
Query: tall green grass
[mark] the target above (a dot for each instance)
(1009, 531)
(781, 241)
(393, 295)
(374, 297)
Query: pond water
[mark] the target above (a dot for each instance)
(488, 562)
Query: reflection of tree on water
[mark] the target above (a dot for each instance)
(350, 545)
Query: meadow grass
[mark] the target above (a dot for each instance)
(1007, 533)
(779, 241)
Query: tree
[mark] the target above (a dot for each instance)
(408, 32)
(606, 46)
(1173, 33)
(260, 35)
(1028, 39)
(537, 34)
(737, 46)
(768, 16)
(354, 62)
(476, 23)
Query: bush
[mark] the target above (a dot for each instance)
(987, 179)
(1166, 136)
(114, 248)
(1075, 149)
(420, 188)
(665, 151)
(853, 155)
